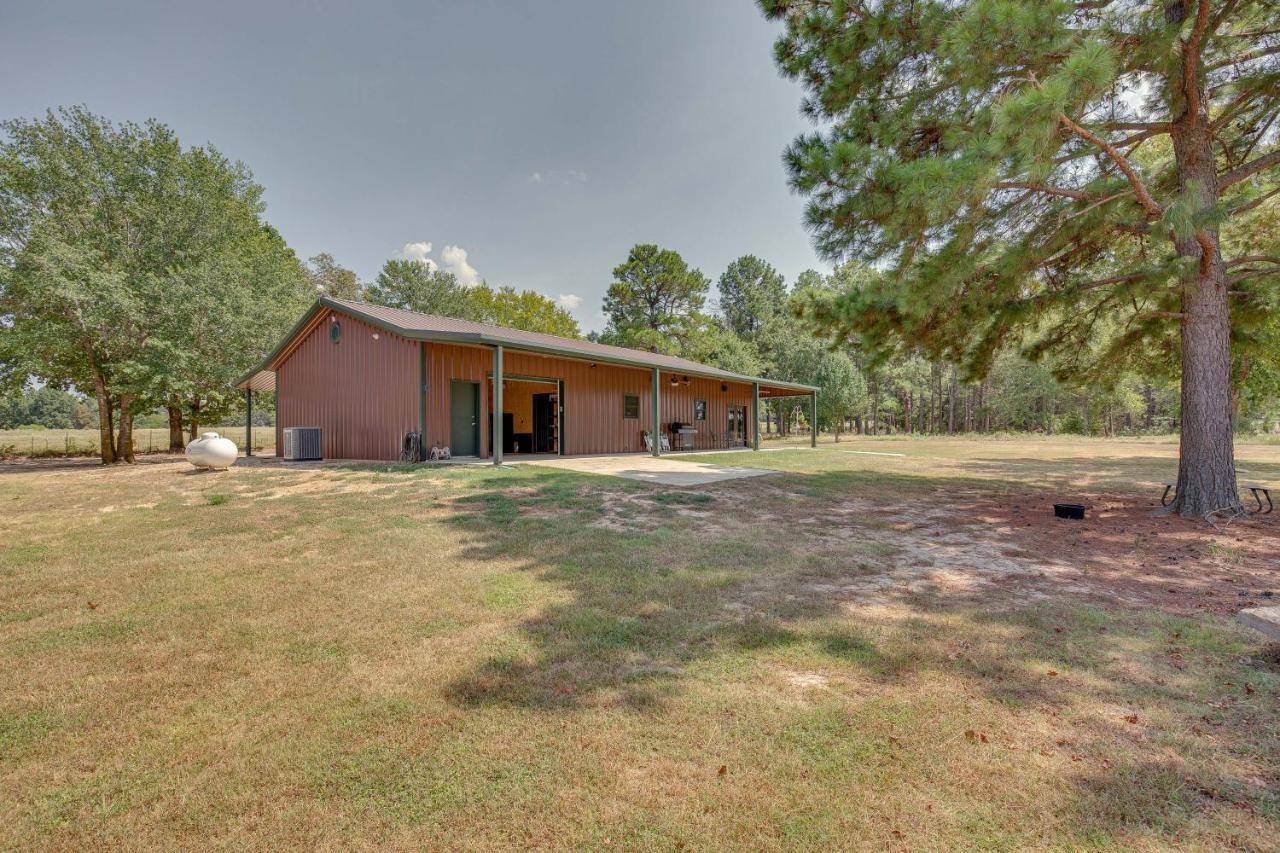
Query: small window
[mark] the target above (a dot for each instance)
(631, 407)
(699, 410)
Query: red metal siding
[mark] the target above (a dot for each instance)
(362, 391)
(446, 363)
(593, 404)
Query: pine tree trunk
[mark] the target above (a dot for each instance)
(176, 444)
(951, 403)
(1206, 453)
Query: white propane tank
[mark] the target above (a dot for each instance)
(211, 450)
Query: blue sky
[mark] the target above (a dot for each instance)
(529, 143)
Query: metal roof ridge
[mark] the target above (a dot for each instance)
(502, 335)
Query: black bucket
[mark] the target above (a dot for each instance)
(1075, 511)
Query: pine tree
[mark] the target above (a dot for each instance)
(1033, 173)
(414, 285)
(653, 296)
(751, 291)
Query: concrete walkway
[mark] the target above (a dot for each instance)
(666, 471)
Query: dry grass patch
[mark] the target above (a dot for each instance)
(449, 658)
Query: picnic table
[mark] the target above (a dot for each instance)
(1260, 491)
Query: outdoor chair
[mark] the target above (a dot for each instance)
(648, 442)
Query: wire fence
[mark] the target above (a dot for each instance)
(37, 443)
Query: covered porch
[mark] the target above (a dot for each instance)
(683, 414)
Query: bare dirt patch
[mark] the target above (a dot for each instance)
(1124, 549)
(1010, 550)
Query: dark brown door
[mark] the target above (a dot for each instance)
(544, 423)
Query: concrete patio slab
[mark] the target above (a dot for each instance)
(665, 471)
(1265, 620)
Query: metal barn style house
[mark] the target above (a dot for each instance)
(371, 377)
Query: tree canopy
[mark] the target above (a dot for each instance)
(131, 267)
(418, 286)
(751, 291)
(1058, 176)
(652, 297)
(329, 278)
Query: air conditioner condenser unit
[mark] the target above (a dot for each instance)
(302, 444)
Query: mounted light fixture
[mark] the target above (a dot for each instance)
(685, 380)
(724, 387)
(674, 381)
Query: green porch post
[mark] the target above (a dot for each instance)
(497, 405)
(422, 401)
(248, 421)
(657, 413)
(813, 421)
(755, 415)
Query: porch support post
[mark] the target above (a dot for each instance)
(497, 405)
(657, 413)
(755, 415)
(248, 421)
(813, 421)
(422, 401)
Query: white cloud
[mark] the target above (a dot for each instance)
(455, 259)
(566, 177)
(418, 252)
(569, 301)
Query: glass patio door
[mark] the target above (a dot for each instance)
(737, 426)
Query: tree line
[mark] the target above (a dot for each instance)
(757, 324)
(144, 275)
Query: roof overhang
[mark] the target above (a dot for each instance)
(262, 378)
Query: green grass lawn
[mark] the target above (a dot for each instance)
(474, 658)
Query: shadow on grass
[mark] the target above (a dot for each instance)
(653, 582)
(643, 606)
(1137, 474)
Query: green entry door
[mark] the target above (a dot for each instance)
(464, 418)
